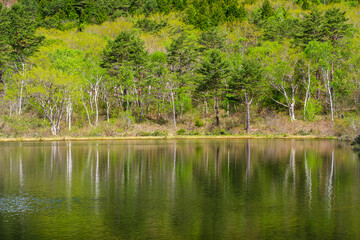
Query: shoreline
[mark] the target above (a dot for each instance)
(175, 137)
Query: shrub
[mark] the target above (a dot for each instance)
(181, 131)
(199, 123)
(313, 108)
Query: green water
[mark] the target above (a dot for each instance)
(180, 189)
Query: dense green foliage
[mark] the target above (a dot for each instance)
(78, 62)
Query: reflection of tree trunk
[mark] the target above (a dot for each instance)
(21, 173)
(217, 161)
(108, 161)
(97, 172)
(308, 178)
(247, 103)
(174, 169)
(248, 160)
(291, 167)
(217, 112)
(331, 177)
(292, 160)
(69, 170)
(97, 179)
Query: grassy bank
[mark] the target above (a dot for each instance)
(160, 138)
(271, 125)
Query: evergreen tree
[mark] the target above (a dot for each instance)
(267, 10)
(310, 28)
(212, 39)
(127, 53)
(127, 49)
(182, 54)
(4, 46)
(334, 26)
(246, 81)
(21, 34)
(214, 69)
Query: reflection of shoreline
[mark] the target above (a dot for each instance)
(215, 187)
(162, 138)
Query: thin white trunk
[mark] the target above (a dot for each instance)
(206, 107)
(330, 95)
(307, 95)
(107, 110)
(20, 97)
(87, 112)
(228, 109)
(173, 105)
(96, 103)
(21, 88)
(69, 112)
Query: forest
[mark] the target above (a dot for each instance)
(187, 67)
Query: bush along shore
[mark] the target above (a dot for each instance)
(179, 68)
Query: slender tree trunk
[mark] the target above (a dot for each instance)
(247, 103)
(173, 106)
(21, 88)
(217, 112)
(107, 110)
(206, 107)
(330, 95)
(69, 111)
(292, 111)
(87, 112)
(53, 129)
(307, 95)
(227, 108)
(181, 111)
(140, 105)
(96, 97)
(318, 93)
(20, 98)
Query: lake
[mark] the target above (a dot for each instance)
(180, 189)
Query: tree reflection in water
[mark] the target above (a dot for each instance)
(180, 189)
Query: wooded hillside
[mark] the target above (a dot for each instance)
(158, 67)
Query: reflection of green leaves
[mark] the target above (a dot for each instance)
(315, 162)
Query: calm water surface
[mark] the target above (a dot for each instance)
(180, 189)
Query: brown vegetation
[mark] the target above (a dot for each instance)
(8, 3)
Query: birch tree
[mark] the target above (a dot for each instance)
(50, 89)
(280, 74)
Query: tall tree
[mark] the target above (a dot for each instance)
(334, 26)
(21, 34)
(214, 69)
(245, 82)
(127, 50)
(310, 28)
(211, 39)
(181, 59)
(280, 73)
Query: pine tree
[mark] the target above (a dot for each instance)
(310, 28)
(182, 54)
(212, 39)
(127, 53)
(246, 80)
(267, 10)
(214, 70)
(21, 34)
(334, 26)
